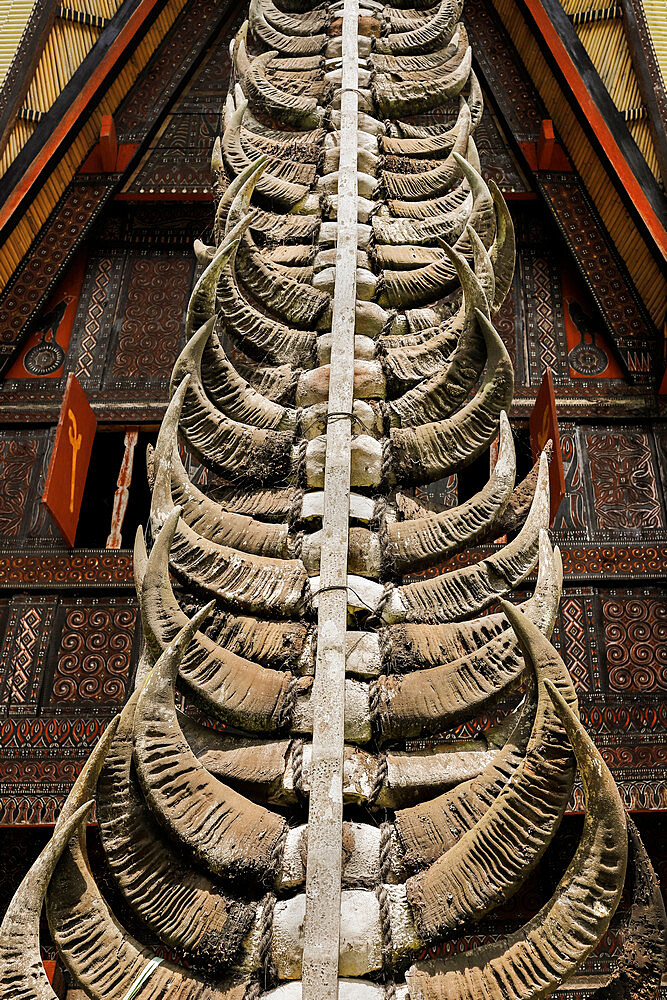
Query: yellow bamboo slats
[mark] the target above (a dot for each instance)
(630, 244)
(640, 130)
(599, 25)
(654, 11)
(51, 82)
(14, 17)
(18, 138)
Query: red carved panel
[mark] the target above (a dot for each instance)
(622, 474)
(94, 652)
(636, 639)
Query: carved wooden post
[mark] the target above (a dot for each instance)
(325, 816)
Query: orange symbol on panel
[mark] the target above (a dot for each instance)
(75, 441)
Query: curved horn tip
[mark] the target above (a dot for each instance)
(168, 529)
(86, 783)
(524, 629)
(200, 617)
(179, 392)
(140, 544)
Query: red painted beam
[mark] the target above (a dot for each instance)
(108, 144)
(62, 133)
(597, 121)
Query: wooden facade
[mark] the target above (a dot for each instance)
(95, 274)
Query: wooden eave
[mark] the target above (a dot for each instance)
(59, 199)
(40, 173)
(30, 48)
(616, 176)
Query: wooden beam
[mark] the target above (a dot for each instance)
(21, 72)
(122, 494)
(325, 813)
(595, 108)
(649, 79)
(30, 169)
(108, 144)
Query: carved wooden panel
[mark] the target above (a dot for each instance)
(614, 484)
(93, 652)
(23, 456)
(94, 318)
(635, 627)
(576, 639)
(23, 653)
(624, 479)
(149, 323)
(571, 521)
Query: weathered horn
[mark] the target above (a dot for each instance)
(443, 205)
(426, 541)
(100, 954)
(231, 393)
(427, 453)
(260, 336)
(537, 958)
(405, 645)
(435, 146)
(459, 688)
(225, 832)
(432, 358)
(275, 189)
(292, 45)
(503, 251)
(427, 830)
(430, 183)
(232, 449)
(425, 67)
(300, 111)
(249, 583)
(176, 903)
(201, 306)
(171, 486)
(231, 194)
(22, 971)
(417, 97)
(468, 590)
(228, 683)
(435, 33)
(494, 858)
(307, 23)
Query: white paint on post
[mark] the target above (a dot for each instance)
(325, 815)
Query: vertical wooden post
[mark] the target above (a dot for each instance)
(122, 490)
(325, 815)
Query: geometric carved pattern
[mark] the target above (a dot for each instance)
(94, 652)
(636, 640)
(571, 515)
(150, 331)
(23, 653)
(24, 650)
(575, 639)
(605, 274)
(624, 484)
(102, 569)
(93, 323)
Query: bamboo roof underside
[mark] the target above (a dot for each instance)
(602, 30)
